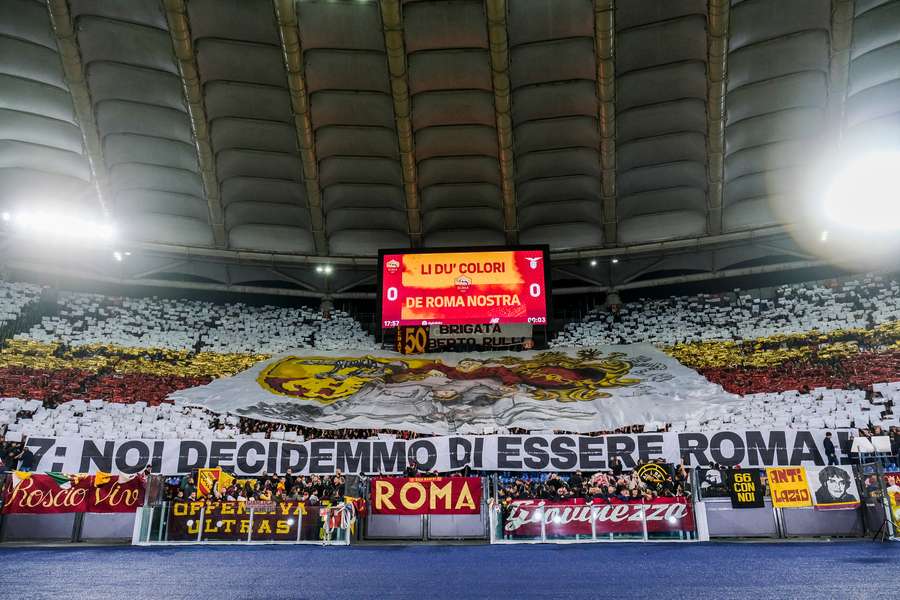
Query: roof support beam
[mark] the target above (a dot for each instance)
(20, 244)
(392, 20)
(180, 31)
(644, 270)
(694, 277)
(785, 251)
(286, 13)
(841, 37)
(184, 285)
(73, 69)
(605, 48)
(499, 41)
(577, 275)
(168, 266)
(716, 77)
(353, 284)
(292, 279)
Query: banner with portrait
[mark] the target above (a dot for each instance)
(53, 493)
(834, 487)
(789, 487)
(571, 389)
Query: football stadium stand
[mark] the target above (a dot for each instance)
(811, 355)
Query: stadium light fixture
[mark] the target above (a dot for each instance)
(319, 268)
(593, 262)
(118, 256)
(615, 261)
(56, 226)
(866, 194)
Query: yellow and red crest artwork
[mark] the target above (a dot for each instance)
(545, 376)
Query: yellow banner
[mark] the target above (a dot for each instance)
(789, 487)
(892, 485)
(437, 271)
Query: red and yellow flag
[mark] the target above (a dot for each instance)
(206, 479)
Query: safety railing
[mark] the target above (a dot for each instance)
(240, 522)
(539, 521)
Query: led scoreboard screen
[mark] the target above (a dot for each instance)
(463, 287)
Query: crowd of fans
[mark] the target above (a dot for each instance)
(14, 297)
(603, 486)
(313, 489)
(787, 309)
(249, 427)
(184, 324)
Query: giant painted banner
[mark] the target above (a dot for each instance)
(571, 390)
(443, 454)
(573, 517)
(426, 495)
(46, 493)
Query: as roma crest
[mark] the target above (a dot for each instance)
(392, 265)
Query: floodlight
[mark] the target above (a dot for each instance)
(866, 194)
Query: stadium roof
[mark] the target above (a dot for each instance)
(274, 132)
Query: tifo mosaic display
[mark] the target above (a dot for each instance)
(838, 335)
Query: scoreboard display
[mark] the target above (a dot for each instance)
(461, 287)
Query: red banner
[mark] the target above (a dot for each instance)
(39, 493)
(426, 495)
(573, 517)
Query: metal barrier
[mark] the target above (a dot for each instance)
(176, 523)
(429, 527)
(535, 522)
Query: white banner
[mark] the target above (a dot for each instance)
(496, 335)
(584, 390)
(442, 454)
(833, 487)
